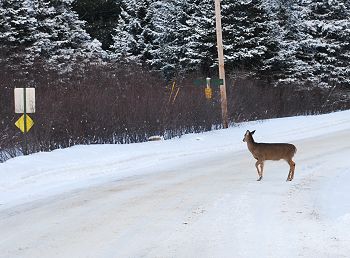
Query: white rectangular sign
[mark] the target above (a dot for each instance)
(19, 100)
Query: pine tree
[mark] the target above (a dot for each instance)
(122, 36)
(169, 23)
(100, 17)
(200, 42)
(131, 37)
(69, 39)
(325, 47)
(285, 66)
(249, 39)
(186, 30)
(152, 33)
(17, 30)
(145, 31)
(44, 29)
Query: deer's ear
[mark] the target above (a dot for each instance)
(252, 132)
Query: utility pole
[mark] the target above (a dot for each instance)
(221, 63)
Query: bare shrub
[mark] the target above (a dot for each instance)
(103, 103)
(109, 103)
(251, 99)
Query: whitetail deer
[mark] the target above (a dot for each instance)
(270, 151)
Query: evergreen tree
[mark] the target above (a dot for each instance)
(249, 39)
(50, 30)
(100, 16)
(131, 37)
(200, 41)
(286, 66)
(169, 23)
(69, 39)
(123, 39)
(186, 30)
(17, 29)
(146, 39)
(152, 33)
(326, 44)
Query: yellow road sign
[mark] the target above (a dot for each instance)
(20, 123)
(208, 93)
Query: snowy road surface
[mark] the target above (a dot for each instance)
(203, 206)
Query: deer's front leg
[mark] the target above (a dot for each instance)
(257, 168)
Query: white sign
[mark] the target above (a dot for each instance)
(30, 100)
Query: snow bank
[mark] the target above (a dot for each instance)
(29, 178)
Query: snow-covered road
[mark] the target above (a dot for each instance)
(207, 206)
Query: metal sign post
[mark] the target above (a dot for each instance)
(25, 120)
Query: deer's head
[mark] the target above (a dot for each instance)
(248, 135)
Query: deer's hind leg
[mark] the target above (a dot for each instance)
(291, 170)
(260, 172)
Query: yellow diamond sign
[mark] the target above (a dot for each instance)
(20, 123)
(208, 93)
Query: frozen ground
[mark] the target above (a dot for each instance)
(189, 197)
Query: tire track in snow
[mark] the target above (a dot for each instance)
(227, 212)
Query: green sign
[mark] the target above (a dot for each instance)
(213, 82)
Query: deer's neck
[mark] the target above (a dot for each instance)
(251, 144)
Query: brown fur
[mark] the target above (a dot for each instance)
(270, 151)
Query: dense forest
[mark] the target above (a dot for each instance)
(107, 71)
(282, 40)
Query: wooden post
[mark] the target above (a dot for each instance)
(221, 63)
